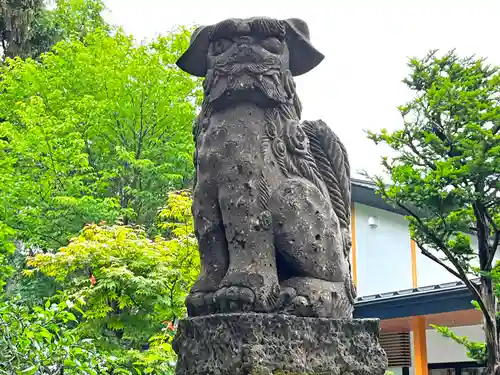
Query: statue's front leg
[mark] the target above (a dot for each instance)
(212, 246)
(251, 282)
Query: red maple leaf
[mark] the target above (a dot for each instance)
(170, 325)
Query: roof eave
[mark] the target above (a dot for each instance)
(430, 300)
(364, 192)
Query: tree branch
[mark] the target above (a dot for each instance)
(46, 236)
(462, 275)
(496, 239)
(4, 47)
(484, 252)
(437, 260)
(142, 133)
(416, 152)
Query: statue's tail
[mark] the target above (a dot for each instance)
(333, 164)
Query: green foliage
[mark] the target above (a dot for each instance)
(75, 19)
(128, 289)
(475, 350)
(158, 359)
(7, 248)
(16, 20)
(29, 28)
(97, 130)
(176, 219)
(41, 342)
(448, 154)
(445, 173)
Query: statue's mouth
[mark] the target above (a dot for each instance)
(252, 68)
(224, 80)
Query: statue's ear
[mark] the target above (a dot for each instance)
(194, 59)
(303, 56)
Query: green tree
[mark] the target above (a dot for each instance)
(29, 27)
(98, 129)
(16, 20)
(7, 249)
(129, 290)
(445, 172)
(40, 341)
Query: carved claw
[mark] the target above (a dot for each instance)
(234, 299)
(221, 302)
(199, 303)
(285, 298)
(291, 303)
(301, 306)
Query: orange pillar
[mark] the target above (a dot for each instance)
(413, 249)
(419, 345)
(353, 249)
(418, 324)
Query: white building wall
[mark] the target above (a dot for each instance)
(431, 273)
(384, 254)
(383, 251)
(441, 349)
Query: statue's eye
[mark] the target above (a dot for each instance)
(221, 46)
(273, 45)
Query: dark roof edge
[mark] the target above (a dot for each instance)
(435, 288)
(432, 299)
(364, 192)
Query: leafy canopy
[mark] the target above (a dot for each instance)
(29, 28)
(98, 129)
(445, 175)
(125, 286)
(40, 341)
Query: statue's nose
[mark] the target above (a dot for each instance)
(244, 39)
(245, 50)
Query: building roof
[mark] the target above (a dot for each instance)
(433, 299)
(364, 192)
(414, 291)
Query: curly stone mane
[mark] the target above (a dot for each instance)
(310, 150)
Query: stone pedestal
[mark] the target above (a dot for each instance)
(265, 344)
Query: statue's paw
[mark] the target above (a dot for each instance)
(302, 306)
(199, 303)
(285, 298)
(314, 298)
(291, 303)
(234, 299)
(245, 292)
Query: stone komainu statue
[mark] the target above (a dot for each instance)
(272, 197)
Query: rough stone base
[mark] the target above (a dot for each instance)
(265, 344)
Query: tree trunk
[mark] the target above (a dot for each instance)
(490, 327)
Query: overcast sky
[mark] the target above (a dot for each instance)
(366, 44)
